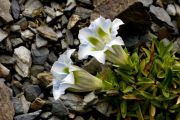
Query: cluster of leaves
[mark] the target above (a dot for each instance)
(149, 85)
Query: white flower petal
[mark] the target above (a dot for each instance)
(116, 41)
(73, 68)
(99, 55)
(115, 26)
(84, 51)
(66, 57)
(58, 68)
(69, 79)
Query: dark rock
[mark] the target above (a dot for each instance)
(52, 57)
(64, 20)
(88, 2)
(5, 11)
(17, 105)
(79, 118)
(58, 108)
(36, 69)
(5, 59)
(47, 32)
(3, 35)
(37, 104)
(28, 116)
(16, 41)
(50, 12)
(54, 118)
(25, 104)
(83, 12)
(39, 55)
(45, 79)
(4, 72)
(32, 92)
(69, 37)
(6, 106)
(15, 8)
(23, 23)
(92, 66)
(146, 3)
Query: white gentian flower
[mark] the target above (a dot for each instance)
(99, 37)
(68, 76)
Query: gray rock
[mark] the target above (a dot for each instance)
(76, 42)
(59, 34)
(28, 116)
(64, 20)
(54, 118)
(178, 1)
(177, 9)
(16, 41)
(83, 12)
(88, 2)
(23, 23)
(70, 5)
(171, 10)
(3, 35)
(39, 55)
(30, 6)
(27, 34)
(155, 27)
(32, 92)
(161, 14)
(64, 45)
(92, 66)
(73, 102)
(90, 99)
(176, 45)
(104, 108)
(5, 11)
(50, 12)
(6, 110)
(69, 38)
(4, 72)
(25, 104)
(72, 21)
(40, 42)
(24, 61)
(17, 105)
(36, 69)
(52, 57)
(47, 32)
(146, 3)
(5, 59)
(45, 115)
(15, 8)
(15, 28)
(58, 108)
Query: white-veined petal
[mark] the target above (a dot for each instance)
(115, 26)
(116, 41)
(84, 51)
(99, 55)
(69, 79)
(66, 57)
(58, 68)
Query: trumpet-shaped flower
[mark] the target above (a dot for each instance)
(99, 37)
(68, 76)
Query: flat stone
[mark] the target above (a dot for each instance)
(5, 59)
(15, 28)
(161, 14)
(79, 118)
(25, 104)
(69, 37)
(171, 10)
(28, 116)
(47, 32)
(17, 105)
(84, 13)
(36, 69)
(30, 6)
(39, 55)
(15, 8)
(52, 57)
(92, 66)
(37, 104)
(40, 41)
(16, 41)
(64, 20)
(5, 11)
(24, 61)
(58, 108)
(3, 35)
(45, 79)
(46, 115)
(6, 106)
(88, 2)
(27, 34)
(72, 21)
(4, 72)
(32, 92)
(50, 11)
(90, 98)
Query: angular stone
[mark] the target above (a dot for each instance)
(146, 3)
(17, 105)
(39, 55)
(6, 106)
(161, 14)
(171, 10)
(88, 2)
(46, 115)
(72, 21)
(25, 104)
(84, 13)
(27, 34)
(45, 79)
(92, 66)
(47, 32)
(37, 104)
(5, 11)
(5, 59)
(31, 92)
(4, 72)
(30, 6)
(69, 37)
(16, 41)
(40, 42)
(15, 8)
(24, 61)
(28, 116)
(3, 34)
(90, 99)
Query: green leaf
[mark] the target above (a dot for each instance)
(139, 113)
(128, 89)
(125, 76)
(123, 107)
(144, 80)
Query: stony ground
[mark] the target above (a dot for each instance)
(33, 33)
